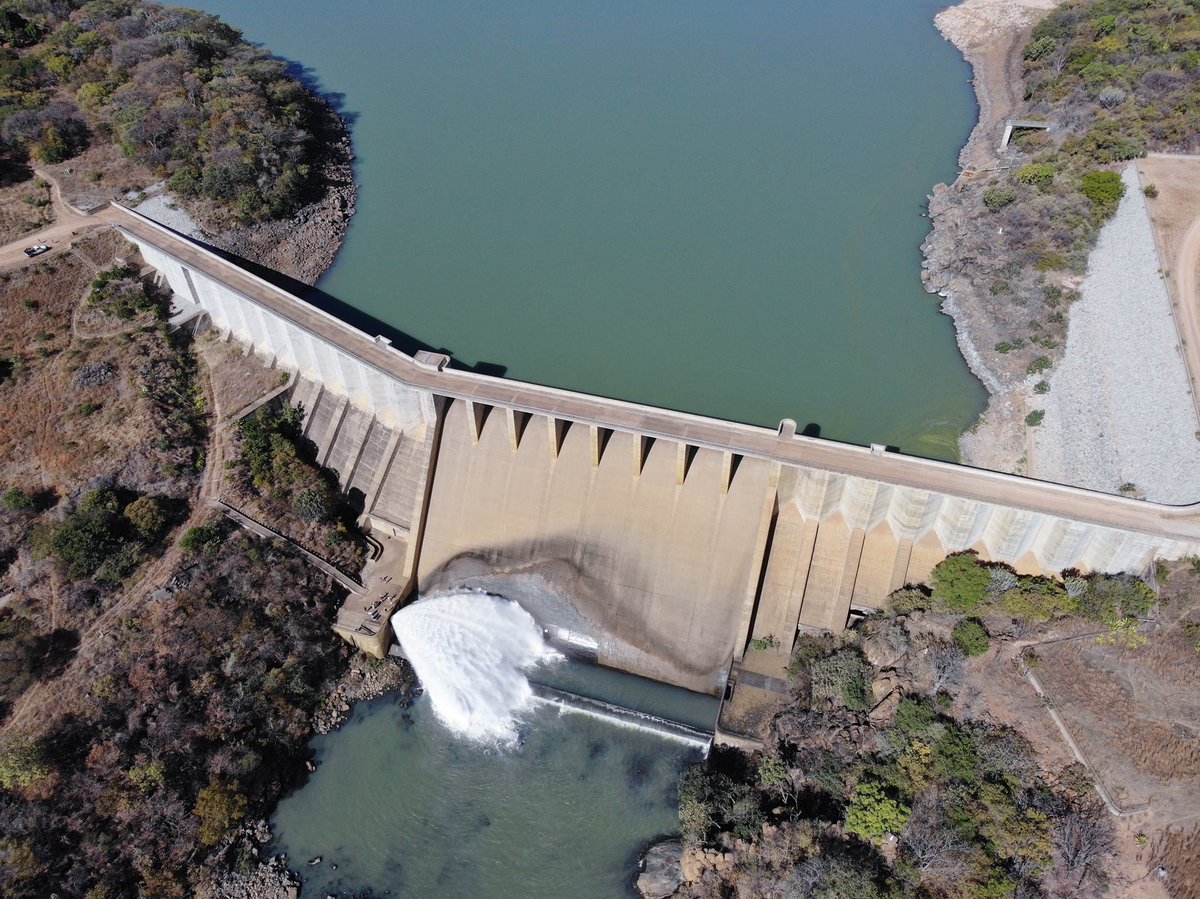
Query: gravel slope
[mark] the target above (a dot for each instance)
(1119, 410)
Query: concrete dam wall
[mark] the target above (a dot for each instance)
(661, 542)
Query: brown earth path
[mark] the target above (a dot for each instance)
(1175, 216)
(68, 223)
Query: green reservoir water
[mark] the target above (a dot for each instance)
(708, 206)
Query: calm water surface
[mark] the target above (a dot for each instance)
(708, 206)
(400, 804)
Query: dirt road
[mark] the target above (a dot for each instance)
(68, 224)
(1175, 214)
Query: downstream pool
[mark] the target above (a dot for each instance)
(399, 803)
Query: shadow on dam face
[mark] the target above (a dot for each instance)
(658, 565)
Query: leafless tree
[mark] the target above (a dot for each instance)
(948, 664)
(931, 845)
(1084, 836)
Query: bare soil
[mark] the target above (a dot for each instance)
(99, 174)
(1175, 215)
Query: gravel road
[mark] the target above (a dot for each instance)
(1119, 410)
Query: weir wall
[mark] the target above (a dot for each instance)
(670, 540)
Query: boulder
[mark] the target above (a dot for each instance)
(885, 683)
(886, 707)
(696, 861)
(662, 871)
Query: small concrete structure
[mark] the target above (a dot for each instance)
(1028, 124)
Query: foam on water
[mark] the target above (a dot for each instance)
(471, 652)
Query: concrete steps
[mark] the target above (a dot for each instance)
(348, 443)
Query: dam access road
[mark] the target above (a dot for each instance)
(666, 541)
(1177, 522)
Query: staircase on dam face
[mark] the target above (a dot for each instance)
(383, 470)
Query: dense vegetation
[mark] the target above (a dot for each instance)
(195, 714)
(963, 584)
(277, 478)
(915, 802)
(1118, 78)
(176, 89)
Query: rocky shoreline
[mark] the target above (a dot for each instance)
(367, 680)
(304, 246)
(991, 35)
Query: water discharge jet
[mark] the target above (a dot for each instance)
(472, 652)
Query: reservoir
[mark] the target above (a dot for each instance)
(708, 206)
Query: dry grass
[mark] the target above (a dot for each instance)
(1136, 715)
(237, 379)
(19, 212)
(100, 173)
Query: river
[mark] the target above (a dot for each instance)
(708, 206)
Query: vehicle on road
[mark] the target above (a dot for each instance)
(37, 250)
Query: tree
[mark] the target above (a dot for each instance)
(971, 637)
(147, 517)
(872, 813)
(219, 807)
(946, 661)
(22, 762)
(960, 583)
(1084, 836)
(936, 853)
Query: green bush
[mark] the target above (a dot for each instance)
(1150, 191)
(1038, 365)
(960, 583)
(908, 599)
(1034, 418)
(971, 637)
(1036, 174)
(872, 813)
(1038, 599)
(996, 198)
(843, 677)
(17, 500)
(1104, 189)
(1041, 387)
(206, 538)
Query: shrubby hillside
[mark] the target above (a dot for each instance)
(178, 90)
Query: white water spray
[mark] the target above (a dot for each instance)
(471, 651)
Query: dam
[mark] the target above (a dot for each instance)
(658, 542)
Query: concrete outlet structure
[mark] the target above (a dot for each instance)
(660, 542)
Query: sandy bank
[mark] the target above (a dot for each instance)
(1119, 411)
